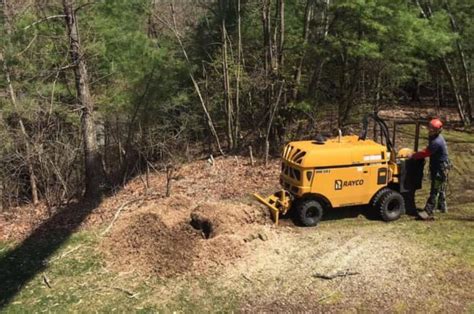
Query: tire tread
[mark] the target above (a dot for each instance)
(385, 198)
(301, 208)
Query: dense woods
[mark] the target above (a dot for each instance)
(95, 92)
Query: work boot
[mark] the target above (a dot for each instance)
(443, 208)
(429, 210)
(430, 215)
(423, 215)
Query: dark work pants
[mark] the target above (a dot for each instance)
(437, 198)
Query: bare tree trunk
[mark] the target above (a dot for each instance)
(378, 84)
(106, 145)
(120, 150)
(325, 18)
(11, 92)
(315, 80)
(252, 161)
(281, 40)
(151, 27)
(349, 100)
(271, 66)
(267, 37)
(1, 196)
(307, 19)
(208, 116)
(457, 95)
(342, 89)
(273, 111)
(225, 69)
(94, 172)
(362, 87)
(462, 59)
(268, 66)
(237, 78)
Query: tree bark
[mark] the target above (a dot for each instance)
(378, 84)
(94, 173)
(268, 67)
(1, 196)
(237, 78)
(462, 59)
(457, 95)
(273, 111)
(307, 19)
(325, 18)
(317, 73)
(267, 38)
(281, 33)
(226, 80)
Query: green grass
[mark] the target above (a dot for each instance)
(451, 234)
(4, 247)
(453, 136)
(207, 299)
(66, 270)
(80, 282)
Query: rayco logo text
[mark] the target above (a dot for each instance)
(339, 184)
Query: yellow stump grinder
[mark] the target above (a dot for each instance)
(322, 174)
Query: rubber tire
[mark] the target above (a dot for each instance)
(387, 200)
(375, 200)
(312, 207)
(372, 210)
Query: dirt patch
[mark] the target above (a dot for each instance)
(18, 222)
(148, 245)
(217, 218)
(390, 272)
(166, 241)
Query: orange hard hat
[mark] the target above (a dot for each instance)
(436, 124)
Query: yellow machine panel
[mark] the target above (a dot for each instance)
(344, 151)
(345, 171)
(352, 185)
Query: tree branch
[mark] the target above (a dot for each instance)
(43, 20)
(83, 6)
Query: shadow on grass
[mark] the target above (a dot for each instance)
(342, 213)
(462, 218)
(335, 214)
(21, 264)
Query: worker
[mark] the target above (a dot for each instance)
(437, 150)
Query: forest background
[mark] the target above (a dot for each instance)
(94, 92)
